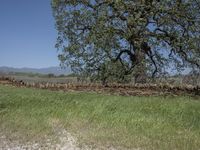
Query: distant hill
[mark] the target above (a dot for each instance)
(49, 70)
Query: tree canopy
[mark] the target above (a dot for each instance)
(148, 36)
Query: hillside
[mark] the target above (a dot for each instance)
(53, 70)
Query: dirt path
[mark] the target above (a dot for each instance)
(62, 140)
(65, 142)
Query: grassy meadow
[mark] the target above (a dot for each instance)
(153, 123)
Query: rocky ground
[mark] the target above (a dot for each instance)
(117, 89)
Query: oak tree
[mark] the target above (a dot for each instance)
(147, 37)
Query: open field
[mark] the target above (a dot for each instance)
(98, 121)
(186, 80)
(41, 79)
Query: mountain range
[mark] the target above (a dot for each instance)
(49, 70)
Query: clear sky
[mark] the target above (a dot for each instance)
(27, 34)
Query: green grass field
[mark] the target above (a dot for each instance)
(153, 123)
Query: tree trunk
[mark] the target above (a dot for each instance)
(140, 74)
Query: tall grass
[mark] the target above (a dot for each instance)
(161, 123)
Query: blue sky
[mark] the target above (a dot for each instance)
(27, 34)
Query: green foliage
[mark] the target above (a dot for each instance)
(112, 72)
(153, 123)
(62, 75)
(150, 36)
(72, 75)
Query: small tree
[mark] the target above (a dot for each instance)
(51, 75)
